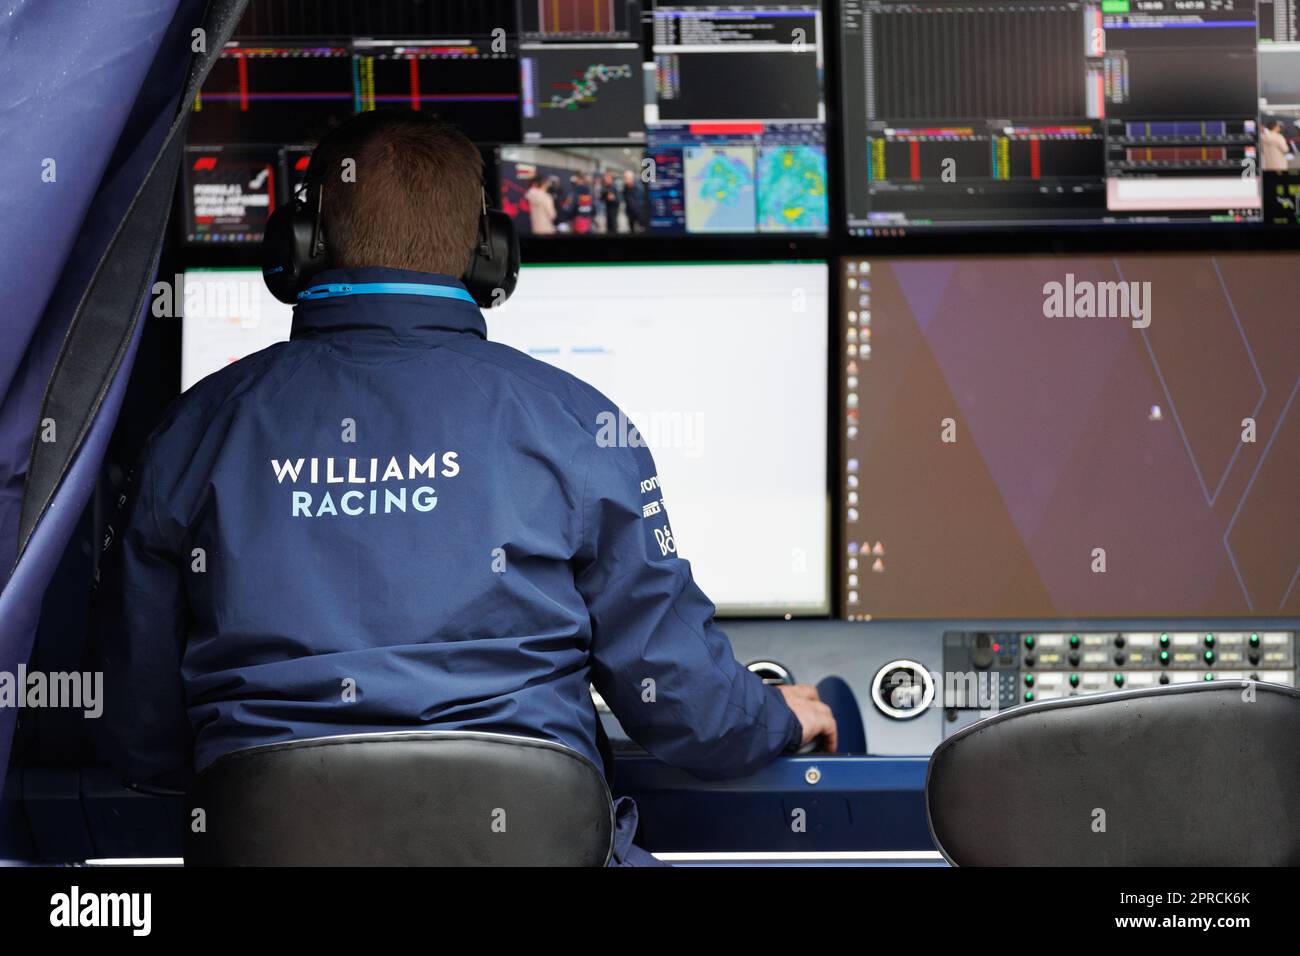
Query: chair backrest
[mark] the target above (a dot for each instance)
(418, 798)
(1182, 775)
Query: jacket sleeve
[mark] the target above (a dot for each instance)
(661, 663)
(147, 732)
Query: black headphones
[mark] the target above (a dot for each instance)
(294, 249)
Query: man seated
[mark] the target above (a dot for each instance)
(389, 522)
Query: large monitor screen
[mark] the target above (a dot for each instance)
(724, 101)
(1038, 437)
(672, 118)
(722, 369)
(971, 115)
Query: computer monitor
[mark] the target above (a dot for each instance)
(296, 68)
(722, 369)
(725, 102)
(226, 314)
(720, 366)
(582, 93)
(1037, 437)
(962, 115)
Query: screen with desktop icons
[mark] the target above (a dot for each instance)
(1102, 436)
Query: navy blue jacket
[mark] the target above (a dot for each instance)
(389, 522)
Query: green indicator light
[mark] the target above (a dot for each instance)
(1029, 695)
(1209, 676)
(1209, 640)
(1029, 640)
(1254, 640)
(1119, 680)
(1209, 657)
(1074, 640)
(1074, 680)
(1164, 640)
(1164, 657)
(1029, 680)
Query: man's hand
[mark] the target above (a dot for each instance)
(814, 717)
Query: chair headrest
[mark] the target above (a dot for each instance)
(1189, 775)
(425, 798)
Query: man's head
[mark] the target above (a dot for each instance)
(400, 189)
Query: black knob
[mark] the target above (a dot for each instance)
(1029, 661)
(1074, 660)
(1254, 657)
(1164, 678)
(1119, 640)
(1119, 658)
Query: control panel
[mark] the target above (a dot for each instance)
(986, 670)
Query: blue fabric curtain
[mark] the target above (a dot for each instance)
(88, 92)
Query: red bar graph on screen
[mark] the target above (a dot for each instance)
(243, 83)
(568, 17)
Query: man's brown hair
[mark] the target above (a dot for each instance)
(409, 199)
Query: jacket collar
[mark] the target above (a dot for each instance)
(397, 301)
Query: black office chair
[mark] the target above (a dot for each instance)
(1201, 774)
(418, 798)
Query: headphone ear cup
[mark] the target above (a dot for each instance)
(287, 261)
(494, 268)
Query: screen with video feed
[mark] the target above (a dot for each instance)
(722, 105)
(721, 367)
(728, 105)
(1036, 437)
(998, 115)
